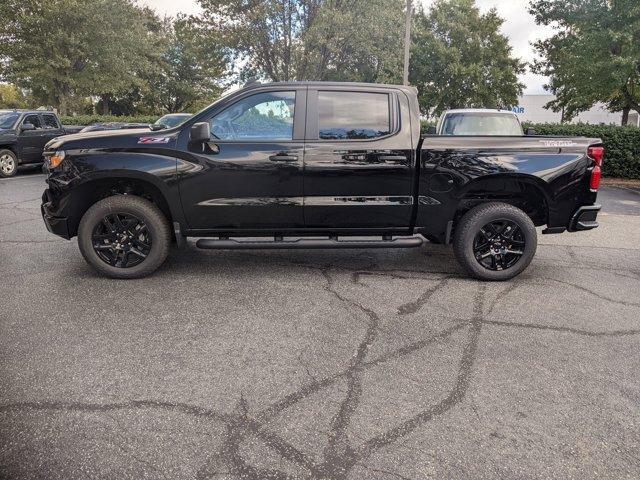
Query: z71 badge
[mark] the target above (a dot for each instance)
(147, 140)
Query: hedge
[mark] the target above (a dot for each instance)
(91, 119)
(622, 144)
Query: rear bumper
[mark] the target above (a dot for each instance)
(585, 218)
(56, 225)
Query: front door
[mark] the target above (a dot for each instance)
(359, 160)
(32, 141)
(249, 176)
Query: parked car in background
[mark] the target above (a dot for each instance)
(171, 120)
(317, 159)
(99, 127)
(476, 121)
(23, 135)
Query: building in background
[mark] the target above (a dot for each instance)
(531, 109)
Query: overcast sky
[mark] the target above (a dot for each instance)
(519, 27)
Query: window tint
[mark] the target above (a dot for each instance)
(263, 116)
(481, 124)
(50, 121)
(33, 120)
(353, 115)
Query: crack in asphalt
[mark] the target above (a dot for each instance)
(340, 456)
(413, 307)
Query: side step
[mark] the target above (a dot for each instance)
(307, 243)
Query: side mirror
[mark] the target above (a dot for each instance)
(155, 127)
(27, 127)
(530, 132)
(200, 132)
(432, 130)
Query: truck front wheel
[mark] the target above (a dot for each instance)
(495, 241)
(8, 163)
(124, 236)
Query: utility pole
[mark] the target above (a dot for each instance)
(407, 42)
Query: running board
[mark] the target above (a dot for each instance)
(307, 243)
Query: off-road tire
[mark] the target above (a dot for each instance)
(478, 217)
(157, 225)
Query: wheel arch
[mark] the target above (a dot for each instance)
(527, 192)
(95, 188)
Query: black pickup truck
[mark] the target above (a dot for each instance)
(23, 135)
(316, 165)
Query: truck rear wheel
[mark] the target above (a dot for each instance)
(495, 241)
(124, 236)
(8, 163)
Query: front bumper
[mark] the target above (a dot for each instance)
(56, 225)
(584, 218)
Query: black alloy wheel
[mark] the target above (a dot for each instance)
(495, 241)
(499, 245)
(121, 240)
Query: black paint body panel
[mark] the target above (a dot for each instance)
(397, 184)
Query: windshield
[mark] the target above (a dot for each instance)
(7, 119)
(172, 120)
(481, 124)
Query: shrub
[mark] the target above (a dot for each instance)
(622, 144)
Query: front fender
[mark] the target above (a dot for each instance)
(87, 175)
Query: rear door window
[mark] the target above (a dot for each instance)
(353, 115)
(50, 121)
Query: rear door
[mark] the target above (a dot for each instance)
(359, 159)
(51, 127)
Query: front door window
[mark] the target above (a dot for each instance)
(262, 117)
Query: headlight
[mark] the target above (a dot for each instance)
(56, 159)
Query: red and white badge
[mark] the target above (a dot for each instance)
(147, 140)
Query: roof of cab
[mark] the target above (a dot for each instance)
(256, 84)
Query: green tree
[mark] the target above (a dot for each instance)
(64, 48)
(11, 96)
(460, 59)
(594, 56)
(283, 40)
(191, 69)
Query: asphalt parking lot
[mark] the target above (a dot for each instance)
(319, 364)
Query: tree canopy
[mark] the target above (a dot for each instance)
(114, 56)
(60, 48)
(459, 59)
(594, 56)
(282, 40)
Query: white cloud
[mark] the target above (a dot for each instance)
(519, 27)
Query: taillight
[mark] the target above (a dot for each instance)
(597, 155)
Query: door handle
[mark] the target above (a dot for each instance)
(283, 158)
